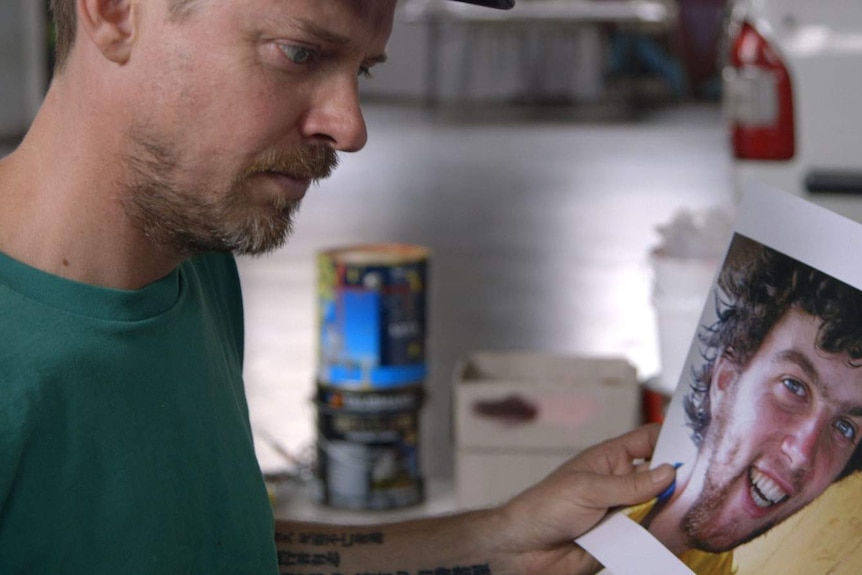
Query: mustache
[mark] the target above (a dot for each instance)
(309, 162)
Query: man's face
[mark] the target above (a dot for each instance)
(784, 426)
(240, 105)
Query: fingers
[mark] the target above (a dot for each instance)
(639, 442)
(603, 492)
(578, 494)
(617, 455)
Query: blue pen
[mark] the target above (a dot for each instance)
(667, 493)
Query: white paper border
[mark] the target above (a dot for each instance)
(795, 227)
(626, 548)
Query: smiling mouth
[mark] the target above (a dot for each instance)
(764, 491)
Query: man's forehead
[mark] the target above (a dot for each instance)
(328, 36)
(380, 10)
(336, 21)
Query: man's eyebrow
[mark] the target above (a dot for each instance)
(801, 360)
(312, 29)
(329, 37)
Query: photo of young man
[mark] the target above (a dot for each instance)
(773, 409)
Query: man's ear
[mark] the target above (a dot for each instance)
(725, 371)
(110, 24)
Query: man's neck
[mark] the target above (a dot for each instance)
(62, 197)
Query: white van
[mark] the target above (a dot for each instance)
(792, 80)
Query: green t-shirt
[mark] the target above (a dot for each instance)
(125, 444)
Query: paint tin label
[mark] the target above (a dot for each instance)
(368, 448)
(372, 316)
(336, 400)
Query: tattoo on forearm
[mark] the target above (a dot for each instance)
(291, 559)
(303, 560)
(329, 539)
(471, 570)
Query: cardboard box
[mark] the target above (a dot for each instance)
(520, 415)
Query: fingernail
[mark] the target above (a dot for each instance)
(663, 473)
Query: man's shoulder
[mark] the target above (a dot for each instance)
(215, 266)
(215, 277)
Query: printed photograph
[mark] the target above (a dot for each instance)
(765, 424)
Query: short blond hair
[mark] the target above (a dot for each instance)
(65, 21)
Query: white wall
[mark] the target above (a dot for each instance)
(23, 72)
(490, 63)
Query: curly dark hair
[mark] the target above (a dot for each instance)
(757, 286)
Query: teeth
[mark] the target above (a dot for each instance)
(764, 490)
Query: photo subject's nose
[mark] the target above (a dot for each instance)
(801, 443)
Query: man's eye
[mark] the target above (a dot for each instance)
(846, 429)
(795, 387)
(297, 54)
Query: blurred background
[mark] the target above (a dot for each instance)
(536, 155)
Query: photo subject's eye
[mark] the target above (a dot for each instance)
(795, 387)
(846, 429)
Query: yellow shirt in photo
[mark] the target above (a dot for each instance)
(700, 562)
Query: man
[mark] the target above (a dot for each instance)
(175, 133)
(775, 411)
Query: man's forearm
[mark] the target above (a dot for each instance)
(450, 545)
(531, 534)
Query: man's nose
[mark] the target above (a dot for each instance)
(801, 443)
(335, 117)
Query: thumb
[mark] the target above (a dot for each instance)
(633, 488)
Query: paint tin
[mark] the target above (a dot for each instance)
(368, 448)
(371, 316)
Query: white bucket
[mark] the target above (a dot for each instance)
(681, 287)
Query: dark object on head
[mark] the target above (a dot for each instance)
(501, 4)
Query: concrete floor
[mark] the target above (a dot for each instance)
(540, 223)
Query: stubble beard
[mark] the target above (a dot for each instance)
(190, 219)
(698, 523)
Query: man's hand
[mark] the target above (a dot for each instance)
(537, 527)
